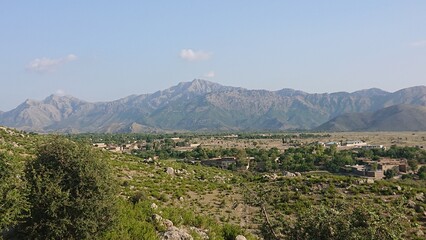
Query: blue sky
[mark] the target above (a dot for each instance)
(105, 50)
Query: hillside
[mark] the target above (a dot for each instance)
(161, 197)
(393, 118)
(202, 106)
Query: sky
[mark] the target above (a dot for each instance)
(106, 50)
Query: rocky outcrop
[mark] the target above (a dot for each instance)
(172, 232)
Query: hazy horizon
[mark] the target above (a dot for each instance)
(102, 51)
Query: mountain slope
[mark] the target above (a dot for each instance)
(393, 118)
(202, 106)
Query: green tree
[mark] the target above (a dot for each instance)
(13, 203)
(413, 164)
(422, 172)
(71, 191)
(390, 173)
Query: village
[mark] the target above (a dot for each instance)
(365, 167)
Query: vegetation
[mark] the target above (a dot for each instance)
(58, 188)
(13, 204)
(71, 192)
(343, 221)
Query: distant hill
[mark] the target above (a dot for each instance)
(202, 106)
(393, 118)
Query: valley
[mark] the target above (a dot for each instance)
(166, 188)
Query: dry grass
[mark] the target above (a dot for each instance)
(374, 138)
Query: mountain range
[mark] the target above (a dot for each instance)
(204, 106)
(394, 118)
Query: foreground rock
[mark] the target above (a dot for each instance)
(174, 233)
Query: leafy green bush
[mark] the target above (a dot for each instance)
(13, 203)
(230, 232)
(71, 192)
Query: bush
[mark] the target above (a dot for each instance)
(12, 196)
(71, 192)
(230, 232)
(343, 221)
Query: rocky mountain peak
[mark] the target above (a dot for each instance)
(199, 86)
(55, 98)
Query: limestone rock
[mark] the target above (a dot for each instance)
(240, 237)
(154, 206)
(174, 233)
(170, 171)
(288, 174)
(167, 223)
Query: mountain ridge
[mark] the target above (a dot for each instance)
(400, 117)
(202, 106)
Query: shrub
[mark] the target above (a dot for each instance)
(71, 192)
(12, 196)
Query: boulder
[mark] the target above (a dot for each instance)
(170, 171)
(167, 223)
(174, 233)
(288, 174)
(240, 237)
(154, 206)
(370, 181)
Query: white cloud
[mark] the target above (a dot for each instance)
(210, 74)
(45, 65)
(418, 44)
(191, 55)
